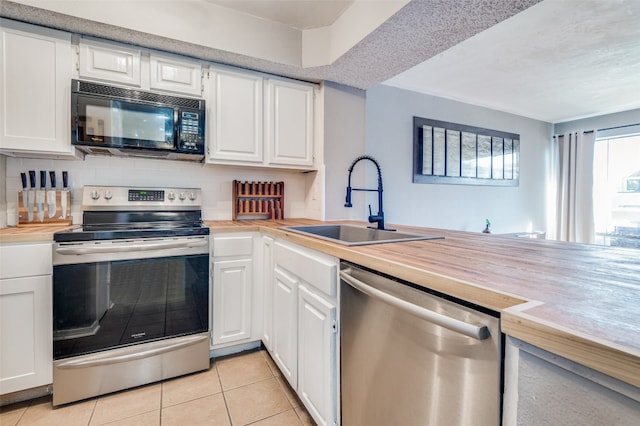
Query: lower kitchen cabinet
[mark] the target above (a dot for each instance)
(285, 330)
(26, 352)
(232, 300)
(304, 335)
(317, 352)
(267, 291)
(233, 292)
(543, 388)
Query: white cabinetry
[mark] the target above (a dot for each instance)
(35, 65)
(305, 330)
(26, 352)
(173, 74)
(267, 291)
(232, 289)
(317, 352)
(109, 62)
(289, 123)
(234, 117)
(259, 121)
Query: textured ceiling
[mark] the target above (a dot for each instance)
(559, 60)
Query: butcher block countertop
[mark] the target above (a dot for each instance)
(36, 233)
(579, 301)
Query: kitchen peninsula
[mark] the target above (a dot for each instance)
(575, 301)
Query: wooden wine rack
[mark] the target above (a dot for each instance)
(258, 200)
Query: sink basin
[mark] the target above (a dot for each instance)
(351, 235)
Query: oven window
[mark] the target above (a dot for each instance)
(105, 305)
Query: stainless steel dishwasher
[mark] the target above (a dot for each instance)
(409, 357)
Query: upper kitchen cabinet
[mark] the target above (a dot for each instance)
(172, 74)
(34, 90)
(258, 121)
(109, 62)
(289, 123)
(234, 117)
(120, 64)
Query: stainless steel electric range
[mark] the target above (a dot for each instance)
(130, 291)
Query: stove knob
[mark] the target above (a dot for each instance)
(182, 196)
(171, 196)
(108, 195)
(192, 196)
(95, 195)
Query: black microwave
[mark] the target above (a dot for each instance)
(120, 121)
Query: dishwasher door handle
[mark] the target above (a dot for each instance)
(479, 332)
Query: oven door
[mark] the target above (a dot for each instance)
(116, 293)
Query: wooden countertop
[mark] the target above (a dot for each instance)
(578, 301)
(37, 233)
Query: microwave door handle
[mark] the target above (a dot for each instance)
(130, 247)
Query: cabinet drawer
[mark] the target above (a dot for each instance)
(316, 269)
(226, 246)
(25, 260)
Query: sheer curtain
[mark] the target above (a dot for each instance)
(574, 187)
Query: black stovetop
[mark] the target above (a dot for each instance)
(134, 224)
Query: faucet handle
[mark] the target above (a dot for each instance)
(370, 213)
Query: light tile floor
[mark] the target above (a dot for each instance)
(238, 390)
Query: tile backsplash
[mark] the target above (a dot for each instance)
(215, 181)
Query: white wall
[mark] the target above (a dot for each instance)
(214, 180)
(389, 138)
(3, 192)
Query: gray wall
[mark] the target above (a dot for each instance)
(607, 121)
(344, 140)
(389, 135)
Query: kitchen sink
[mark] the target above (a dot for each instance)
(351, 235)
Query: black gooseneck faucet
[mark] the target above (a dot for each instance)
(379, 218)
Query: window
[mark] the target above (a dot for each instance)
(616, 191)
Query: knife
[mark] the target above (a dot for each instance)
(40, 194)
(64, 193)
(32, 194)
(51, 196)
(25, 197)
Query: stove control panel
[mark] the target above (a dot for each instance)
(146, 195)
(138, 198)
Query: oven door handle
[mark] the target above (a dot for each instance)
(131, 247)
(132, 353)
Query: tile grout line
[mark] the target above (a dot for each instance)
(224, 397)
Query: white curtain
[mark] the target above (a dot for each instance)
(574, 190)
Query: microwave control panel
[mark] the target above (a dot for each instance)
(191, 135)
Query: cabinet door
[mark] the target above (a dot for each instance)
(109, 62)
(175, 75)
(35, 64)
(289, 123)
(317, 376)
(234, 117)
(25, 326)
(231, 300)
(285, 330)
(267, 285)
